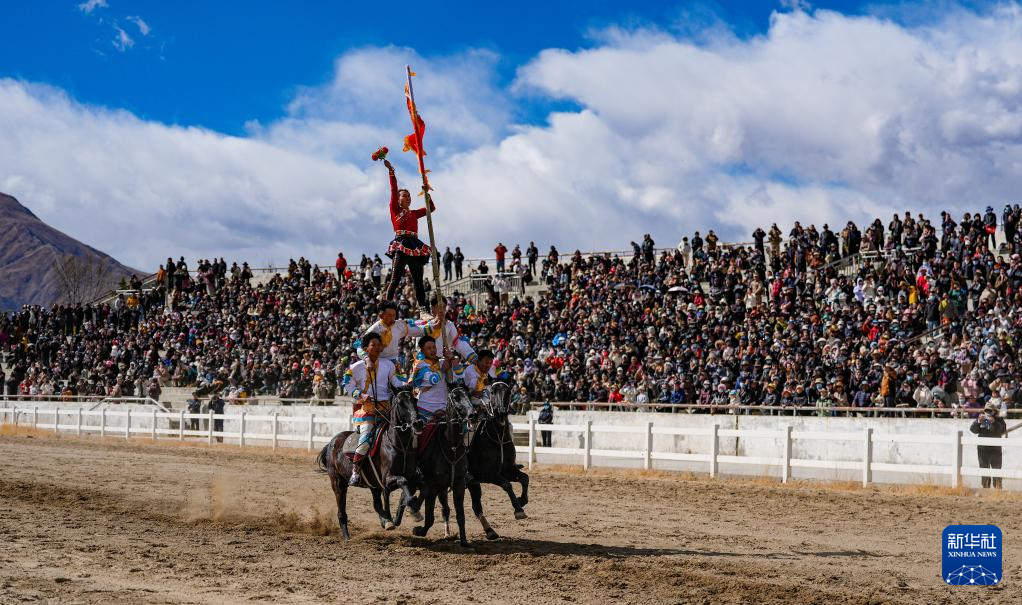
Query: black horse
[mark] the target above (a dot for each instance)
(443, 465)
(393, 467)
(491, 457)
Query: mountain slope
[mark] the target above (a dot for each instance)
(29, 249)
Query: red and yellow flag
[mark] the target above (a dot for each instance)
(413, 142)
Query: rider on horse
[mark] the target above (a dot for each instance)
(429, 375)
(477, 377)
(369, 381)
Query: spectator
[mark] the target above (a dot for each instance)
(546, 416)
(448, 261)
(216, 405)
(533, 255)
(459, 260)
(194, 406)
(989, 424)
(341, 264)
(500, 251)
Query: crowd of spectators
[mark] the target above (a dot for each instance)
(914, 313)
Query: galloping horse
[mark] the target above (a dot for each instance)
(444, 464)
(491, 457)
(391, 469)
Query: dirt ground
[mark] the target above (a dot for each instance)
(90, 521)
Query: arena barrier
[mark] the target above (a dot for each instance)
(310, 431)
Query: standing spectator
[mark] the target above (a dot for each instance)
(990, 227)
(758, 236)
(648, 249)
(533, 255)
(341, 264)
(516, 257)
(546, 416)
(459, 262)
(448, 260)
(378, 271)
(216, 405)
(989, 424)
(500, 251)
(194, 407)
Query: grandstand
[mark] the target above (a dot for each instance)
(912, 316)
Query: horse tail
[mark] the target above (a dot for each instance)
(322, 458)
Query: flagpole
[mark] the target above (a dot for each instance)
(429, 203)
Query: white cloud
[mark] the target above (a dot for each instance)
(143, 27)
(823, 118)
(90, 5)
(122, 41)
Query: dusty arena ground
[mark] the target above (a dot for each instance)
(85, 521)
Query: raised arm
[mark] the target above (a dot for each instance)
(394, 208)
(421, 212)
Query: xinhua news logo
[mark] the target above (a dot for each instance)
(972, 555)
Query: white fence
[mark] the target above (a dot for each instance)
(311, 431)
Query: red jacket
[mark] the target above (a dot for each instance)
(405, 222)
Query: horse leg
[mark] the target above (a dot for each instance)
(380, 509)
(459, 512)
(515, 503)
(400, 506)
(340, 485)
(475, 490)
(523, 479)
(408, 499)
(445, 509)
(430, 499)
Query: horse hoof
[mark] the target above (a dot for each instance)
(344, 534)
(419, 531)
(466, 546)
(415, 515)
(492, 535)
(389, 525)
(520, 514)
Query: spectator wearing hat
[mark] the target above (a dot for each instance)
(989, 424)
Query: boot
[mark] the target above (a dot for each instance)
(356, 478)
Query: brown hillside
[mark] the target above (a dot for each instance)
(28, 250)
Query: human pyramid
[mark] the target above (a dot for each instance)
(431, 448)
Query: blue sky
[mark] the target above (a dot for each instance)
(243, 129)
(221, 64)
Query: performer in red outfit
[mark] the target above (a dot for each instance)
(406, 249)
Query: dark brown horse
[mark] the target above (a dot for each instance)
(491, 457)
(444, 463)
(393, 466)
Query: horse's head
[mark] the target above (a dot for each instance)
(402, 412)
(459, 404)
(497, 400)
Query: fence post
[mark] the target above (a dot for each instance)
(181, 425)
(956, 465)
(102, 423)
(79, 421)
(242, 432)
(786, 467)
(532, 442)
(127, 426)
(154, 424)
(211, 427)
(587, 456)
(647, 462)
(275, 431)
(312, 429)
(35, 416)
(867, 456)
(714, 450)
(15, 416)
